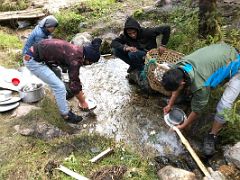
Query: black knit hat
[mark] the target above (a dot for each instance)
(91, 52)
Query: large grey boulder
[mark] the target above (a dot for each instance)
(172, 173)
(232, 154)
(82, 39)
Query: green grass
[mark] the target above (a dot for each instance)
(9, 41)
(10, 50)
(26, 157)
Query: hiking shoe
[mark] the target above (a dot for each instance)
(72, 118)
(209, 145)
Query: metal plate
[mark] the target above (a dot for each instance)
(4, 108)
(5, 95)
(91, 104)
(10, 101)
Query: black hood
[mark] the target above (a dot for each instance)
(131, 24)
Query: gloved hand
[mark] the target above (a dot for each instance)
(215, 175)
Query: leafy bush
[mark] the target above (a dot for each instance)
(231, 132)
(9, 5)
(68, 24)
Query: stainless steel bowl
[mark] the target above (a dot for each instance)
(175, 117)
(30, 95)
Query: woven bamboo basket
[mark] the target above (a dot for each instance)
(156, 71)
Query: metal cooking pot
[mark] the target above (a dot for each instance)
(30, 95)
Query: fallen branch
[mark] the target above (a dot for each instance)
(101, 155)
(71, 173)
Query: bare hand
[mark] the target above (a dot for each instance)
(83, 105)
(180, 127)
(161, 49)
(131, 49)
(82, 102)
(166, 109)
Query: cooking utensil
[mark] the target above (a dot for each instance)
(15, 81)
(91, 105)
(9, 107)
(175, 117)
(10, 101)
(5, 95)
(32, 93)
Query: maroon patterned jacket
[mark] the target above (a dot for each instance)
(64, 54)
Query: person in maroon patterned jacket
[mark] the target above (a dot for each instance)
(64, 54)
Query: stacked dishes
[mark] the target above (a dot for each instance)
(7, 101)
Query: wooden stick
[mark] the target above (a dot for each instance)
(101, 155)
(192, 152)
(71, 173)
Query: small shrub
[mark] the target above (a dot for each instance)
(8, 5)
(68, 24)
(231, 132)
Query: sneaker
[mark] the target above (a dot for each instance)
(209, 145)
(72, 118)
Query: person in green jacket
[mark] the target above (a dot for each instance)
(199, 72)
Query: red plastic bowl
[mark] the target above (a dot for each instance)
(15, 81)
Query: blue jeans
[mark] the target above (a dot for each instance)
(133, 59)
(44, 73)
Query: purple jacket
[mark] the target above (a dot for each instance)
(64, 54)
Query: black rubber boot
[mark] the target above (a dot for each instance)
(209, 144)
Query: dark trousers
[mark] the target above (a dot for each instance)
(134, 59)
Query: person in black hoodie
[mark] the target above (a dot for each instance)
(133, 44)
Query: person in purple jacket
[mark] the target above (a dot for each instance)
(39, 58)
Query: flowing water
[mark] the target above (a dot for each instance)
(124, 112)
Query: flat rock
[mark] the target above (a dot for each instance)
(232, 154)
(81, 39)
(23, 110)
(169, 172)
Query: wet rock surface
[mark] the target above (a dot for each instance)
(123, 112)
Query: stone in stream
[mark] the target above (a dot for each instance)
(232, 154)
(169, 172)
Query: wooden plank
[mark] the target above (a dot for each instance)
(101, 155)
(71, 173)
(24, 14)
(192, 152)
